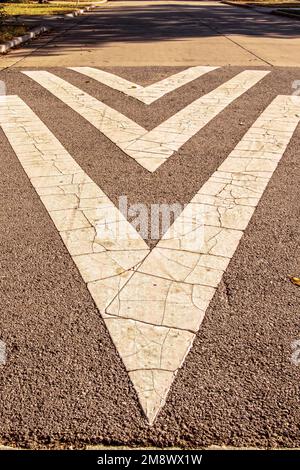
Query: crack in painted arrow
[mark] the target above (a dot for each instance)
(152, 303)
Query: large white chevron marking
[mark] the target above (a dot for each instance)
(149, 149)
(150, 93)
(154, 301)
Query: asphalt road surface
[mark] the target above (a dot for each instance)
(191, 344)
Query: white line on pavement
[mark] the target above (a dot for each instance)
(150, 93)
(149, 149)
(153, 303)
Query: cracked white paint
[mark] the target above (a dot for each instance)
(74, 202)
(174, 285)
(2, 353)
(149, 148)
(150, 93)
(153, 303)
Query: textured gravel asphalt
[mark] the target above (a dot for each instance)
(64, 382)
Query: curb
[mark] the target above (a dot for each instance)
(232, 4)
(33, 33)
(83, 10)
(6, 46)
(276, 11)
(285, 13)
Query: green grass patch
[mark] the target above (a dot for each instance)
(13, 9)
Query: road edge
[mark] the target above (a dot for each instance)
(38, 30)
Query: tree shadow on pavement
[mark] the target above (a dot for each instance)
(166, 22)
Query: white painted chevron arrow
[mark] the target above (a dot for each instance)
(150, 93)
(149, 148)
(152, 303)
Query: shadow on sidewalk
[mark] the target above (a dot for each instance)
(158, 22)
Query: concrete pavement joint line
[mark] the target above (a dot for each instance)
(273, 43)
(144, 296)
(149, 149)
(215, 30)
(147, 94)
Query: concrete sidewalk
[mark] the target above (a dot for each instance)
(171, 33)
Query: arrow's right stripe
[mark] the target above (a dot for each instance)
(154, 318)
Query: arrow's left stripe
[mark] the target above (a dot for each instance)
(77, 206)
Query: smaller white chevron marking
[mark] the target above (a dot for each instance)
(149, 149)
(150, 93)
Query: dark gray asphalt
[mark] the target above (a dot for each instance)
(64, 383)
